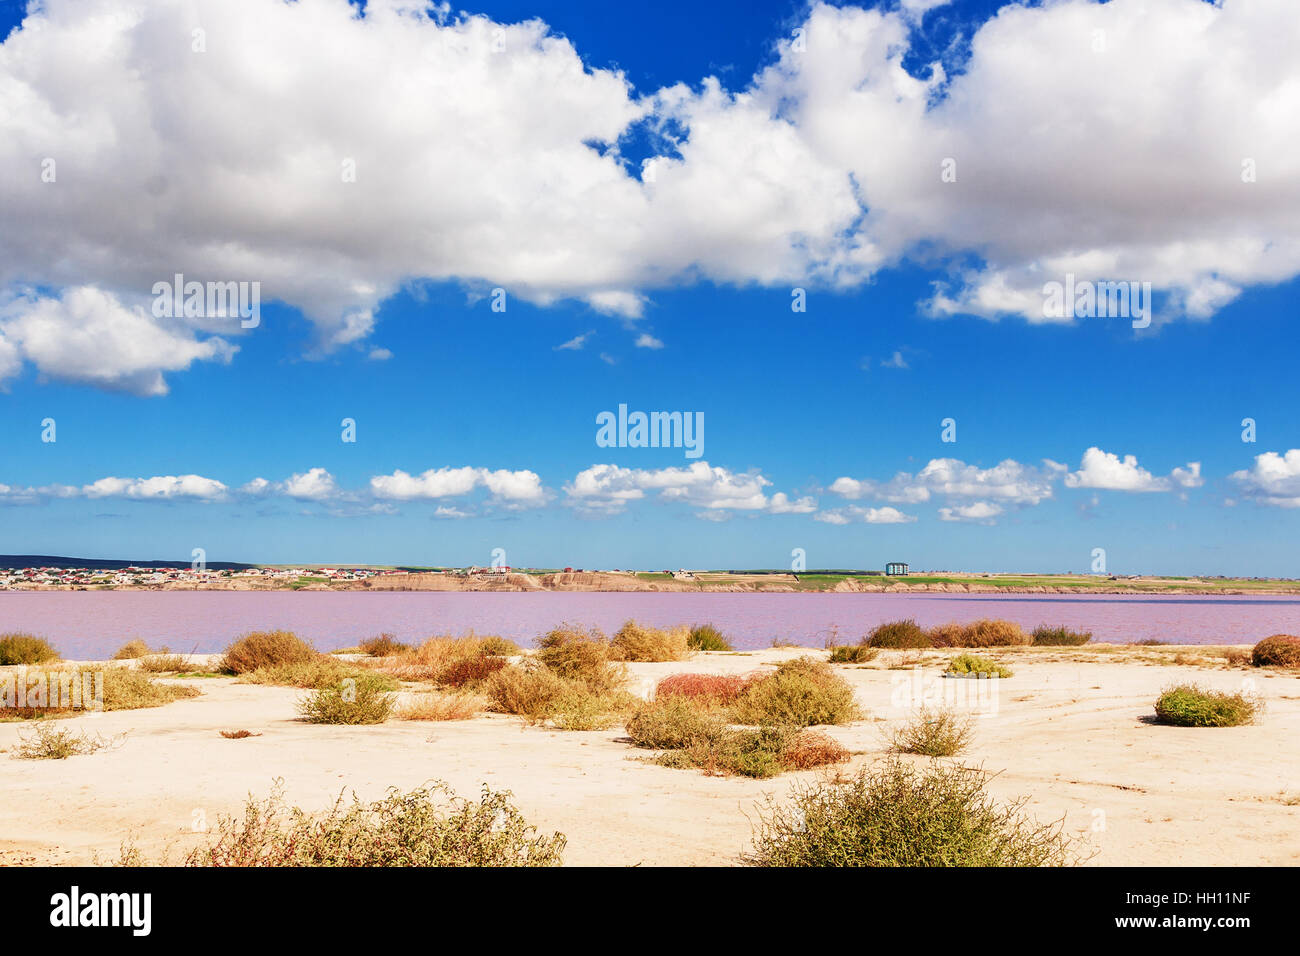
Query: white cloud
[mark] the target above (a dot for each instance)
(606, 489)
(1273, 480)
(980, 511)
(895, 361)
(1008, 481)
(316, 484)
(511, 488)
(1107, 471)
(161, 487)
(855, 513)
(380, 355)
(575, 343)
(89, 337)
(647, 341)
(825, 168)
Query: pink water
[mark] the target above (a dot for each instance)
(91, 624)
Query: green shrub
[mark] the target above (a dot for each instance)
(801, 693)
(899, 635)
(580, 709)
(1280, 650)
(265, 649)
(426, 827)
(1188, 705)
(974, 664)
(896, 815)
(934, 733)
(364, 699)
(636, 642)
(131, 650)
(706, 637)
(1060, 637)
(760, 753)
(673, 723)
(26, 649)
(853, 654)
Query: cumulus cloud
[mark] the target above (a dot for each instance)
(606, 489)
(1008, 481)
(647, 341)
(316, 484)
(511, 488)
(850, 514)
(158, 488)
(823, 168)
(979, 511)
(1273, 480)
(1108, 471)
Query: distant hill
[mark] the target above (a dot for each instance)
(104, 564)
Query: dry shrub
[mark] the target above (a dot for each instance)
(467, 671)
(385, 645)
(238, 734)
(315, 674)
(580, 709)
(801, 693)
(582, 655)
(1059, 637)
(1238, 658)
(988, 632)
(934, 733)
(162, 664)
(442, 654)
(131, 650)
(812, 748)
(673, 723)
(951, 634)
(49, 743)
(852, 654)
(1280, 650)
(898, 634)
(265, 649)
(440, 706)
(26, 649)
(721, 689)
(637, 642)
(425, 827)
(528, 690)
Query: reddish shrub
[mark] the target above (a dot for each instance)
(716, 688)
(812, 748)
(469, 670)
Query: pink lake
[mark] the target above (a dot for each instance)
(92, 624)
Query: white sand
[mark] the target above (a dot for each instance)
(1067, 734)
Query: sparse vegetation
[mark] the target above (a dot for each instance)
(988, 632)
(714, 689)
(162, 664)
(975, 664)
(440, 706)
(934, 733)
(429, 826)
(673, 722)
(637, 642)
(238, 734)
(1280, 650)
(316, 673)
(46, 742)
(266, 649)
(896, 815)
(1059, 637)
(853, 654)
(950, 634)
(26, 649)
(706, 637)
(801, 693)
(528, 690)
(581, 655)
(364, 699)
(905, 635)
(764, 752)
(1188, 705)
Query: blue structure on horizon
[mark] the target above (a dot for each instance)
(896, 569)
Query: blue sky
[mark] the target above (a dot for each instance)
(809, 417)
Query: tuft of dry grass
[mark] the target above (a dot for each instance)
(934, 733)
(49, 743)
(853, 654)
(812, 748)
(444, 659)
(131, 650)
(384, 645)
(706, 637)
(988, 632)
(528, 690)
(440, 706)
(468, 671)
(673, 723)
(904, 635)
(238, 734)
(162, 664)
(951, 634)
(637, 642)
(315, 673)
(1060, 637)
(18, 648)
(583, 655)
(265, 649)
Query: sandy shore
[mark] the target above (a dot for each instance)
(1067, 732)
